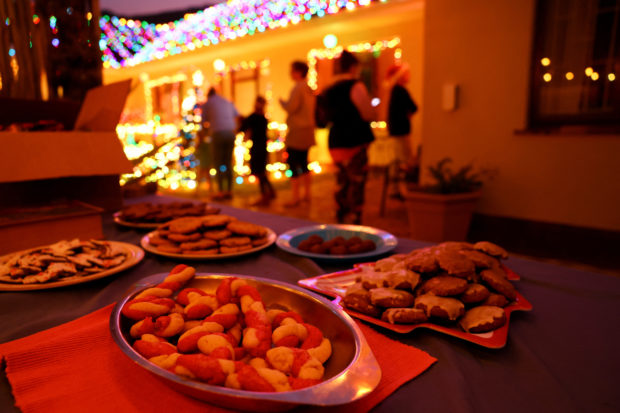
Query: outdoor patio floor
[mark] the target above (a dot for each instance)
(321, 209)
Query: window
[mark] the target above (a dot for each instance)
(576, 64)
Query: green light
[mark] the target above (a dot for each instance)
(288, 173)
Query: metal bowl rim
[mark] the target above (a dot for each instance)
(389, 241)
(293, 396)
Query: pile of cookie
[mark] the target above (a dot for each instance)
(61, 260)
(227, 336)
(149, 213)
(337, 245)
(208, 235)
(453, 282)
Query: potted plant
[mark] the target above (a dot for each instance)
(442, 211)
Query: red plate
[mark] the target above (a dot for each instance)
(335, 284)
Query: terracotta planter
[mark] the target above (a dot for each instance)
(439, 217)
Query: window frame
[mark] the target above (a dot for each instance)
(588, 122)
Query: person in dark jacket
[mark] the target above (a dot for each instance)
(349, 112)
(255, 128)
(401, 108)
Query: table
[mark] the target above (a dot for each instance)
(562, 356)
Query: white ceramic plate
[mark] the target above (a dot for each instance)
(134, 253)
(143, 225)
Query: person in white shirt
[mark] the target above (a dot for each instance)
(300, 137)
(221, 118)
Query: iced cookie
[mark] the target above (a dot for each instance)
(404, 316)
(482, 319)
(441, 307)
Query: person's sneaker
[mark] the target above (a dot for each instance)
(262, 201)
(222, 196)
(291, 204)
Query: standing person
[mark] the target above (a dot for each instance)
(350, 112)
(221, 117)
(401, 108)
(255, 128)
(300, 137)
(204, 158)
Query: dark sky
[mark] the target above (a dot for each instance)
(142, 7)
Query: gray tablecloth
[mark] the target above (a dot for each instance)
(562, 356)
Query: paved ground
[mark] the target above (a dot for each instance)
(321, 208)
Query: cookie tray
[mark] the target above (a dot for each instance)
(335, 285)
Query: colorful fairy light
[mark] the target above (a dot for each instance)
(314, 55)
(126, 42)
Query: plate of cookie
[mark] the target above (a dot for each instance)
(337, 242)
(460, 289)
(64, 263)
(147, 215)
(208, 238)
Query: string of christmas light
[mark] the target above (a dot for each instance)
(126, 42)
(315, 54)
(162, 166)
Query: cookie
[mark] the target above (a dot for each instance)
(480, 259)
(318, 249)
(338, 250)
(372, 279)
(211, 210)
(454, 263)
(401, 279)
(455, 246)
(446, 308)
(157, 239)
(498, 282)
(366, 245)
(210, 251)
(422, 261)
(474, 293)
(213, 221)
(194, 236)
(170, 248)
(217, 234)
(390, 297)
(259, 241)
(235, 241)
(246, 228)
(404, 316)
(445, 285)
(231, 250)
(357, 298)
(491, 249)
(497, 300)
(185, 225)
(482, 319)
(202, 244)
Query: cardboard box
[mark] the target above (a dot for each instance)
(23, 228)
(82, 164)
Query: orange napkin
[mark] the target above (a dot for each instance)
(77, 367)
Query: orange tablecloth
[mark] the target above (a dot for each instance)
(77, 367)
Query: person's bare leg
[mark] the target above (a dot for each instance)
(307, 182)
(295, 192)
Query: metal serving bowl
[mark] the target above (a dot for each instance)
(351, 372)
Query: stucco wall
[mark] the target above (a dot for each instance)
(485, 48)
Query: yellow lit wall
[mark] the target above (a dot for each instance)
(380, 21)
(485, 47)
